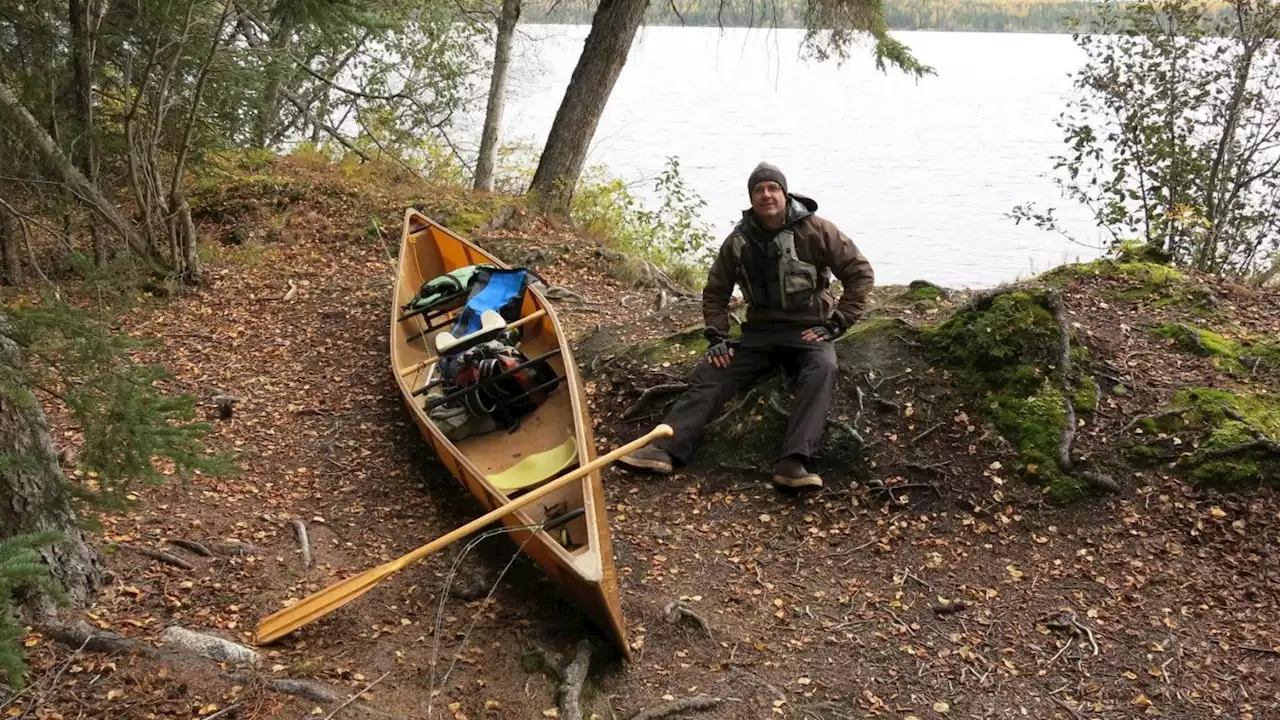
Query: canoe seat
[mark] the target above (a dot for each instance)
(536, 468)
(491, 326)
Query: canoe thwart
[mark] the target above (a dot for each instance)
(492, 325)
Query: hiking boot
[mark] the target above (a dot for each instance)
(791, 473)
(649, 458)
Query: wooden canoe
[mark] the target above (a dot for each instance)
(554, 438)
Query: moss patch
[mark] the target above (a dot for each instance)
(1003, 351)
(1241, 356)
(1207, 422)
(1086, 396)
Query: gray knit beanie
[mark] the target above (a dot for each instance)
(765, 171)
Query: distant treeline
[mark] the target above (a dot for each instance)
(1046, 16)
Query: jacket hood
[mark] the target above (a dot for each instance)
(799, 207)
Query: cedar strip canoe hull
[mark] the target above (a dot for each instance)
(586, 574)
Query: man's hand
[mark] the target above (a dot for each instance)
(834, 328)
(817, 334)
(719, 354)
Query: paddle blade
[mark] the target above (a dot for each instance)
(317, 605)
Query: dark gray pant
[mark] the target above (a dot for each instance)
(813, 364)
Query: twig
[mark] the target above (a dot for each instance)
(648, 395)
(676, 610)
(194, 547)
(230, 708)
(570, 691)
(695, 704)
(352, 699)
(732, 410)
(1269, 651)
(922, 435)
(235, 547)
(300, 529)
(160, 555)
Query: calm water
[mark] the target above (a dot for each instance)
(919, 174)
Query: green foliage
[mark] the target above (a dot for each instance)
(21, 566)
(1170, 135)
(1205, 419)
(128, 422)
(672, 237)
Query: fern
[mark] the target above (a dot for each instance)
(21, 567)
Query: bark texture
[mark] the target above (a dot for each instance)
(603, 54)
(31, 493)
(497, 95)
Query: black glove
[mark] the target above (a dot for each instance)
(720, 349)
(834, 328)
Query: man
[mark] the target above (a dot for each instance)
(783, 257)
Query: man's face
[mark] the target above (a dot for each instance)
(768, 201)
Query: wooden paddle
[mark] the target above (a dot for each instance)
(325, 601)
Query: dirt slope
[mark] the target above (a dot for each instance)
(1160, 600)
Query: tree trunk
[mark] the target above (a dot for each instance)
(86, 145)
(34, 499)
(24, 125)
(10, 248)
(497, 95)
(603, 55)
(277, 64)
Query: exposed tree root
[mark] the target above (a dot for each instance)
(300, 529)
(1097, 480)
(237, 548)
(85, 638)
(570, 692)
(676, 610)
(649, 395)
(192, 546)
(160, 555)
(1260, 440)
(675, 707)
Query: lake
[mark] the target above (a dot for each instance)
(920, 174)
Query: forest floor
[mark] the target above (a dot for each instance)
(965, 592)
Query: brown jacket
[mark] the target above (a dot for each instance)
(818, 242)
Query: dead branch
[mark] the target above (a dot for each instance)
(682, 705)
(676, 610)
(731, 410)
(848, 429)
(300, 529)
(160, 555)
(570, 692)
(1154, 417)
(648, 395)
(191, 545)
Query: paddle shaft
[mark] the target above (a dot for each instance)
(331, 598)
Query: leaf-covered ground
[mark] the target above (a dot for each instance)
(956, 590)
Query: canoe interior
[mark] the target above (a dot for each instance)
(578, 555)
(434, 252)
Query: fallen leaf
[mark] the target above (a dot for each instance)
(941, 708)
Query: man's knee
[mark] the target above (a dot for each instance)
(824, 365)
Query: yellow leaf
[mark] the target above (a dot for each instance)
(207, 709)
(492, 705)
(552, 712)
(1141, 700)
(1130, 675)
(1014, 572)
(941, 708)
(1217, 512)
(113, 694)
(32, 641)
